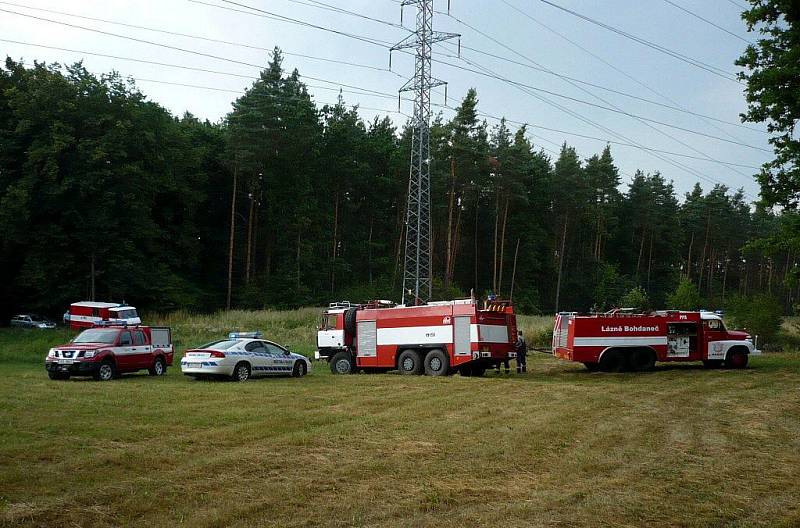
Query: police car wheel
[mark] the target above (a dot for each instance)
(409, 363)
(299, 369)
(436, 363)
(241, 372)
(158, 368)
(342, 363)
(105, 372)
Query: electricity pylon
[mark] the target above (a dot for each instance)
(417, 272)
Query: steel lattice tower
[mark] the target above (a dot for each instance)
(417, 272)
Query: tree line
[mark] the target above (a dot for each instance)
(106, 195)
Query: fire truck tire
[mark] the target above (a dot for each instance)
(613, 361)
(437, 363)
(642, 359)
(241, 372)
(712, 363)
(409, 363)
(57, 375)
(350, 321)
(159, 367)
(471, 370)
(591, 367)
(106, 371)
(737, 359)
(342, 363)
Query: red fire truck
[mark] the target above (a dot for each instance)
(620, 340)
(437, 338)
(87, 314)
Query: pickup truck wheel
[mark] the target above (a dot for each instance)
(159, 368)
(57, 375)
(437, 363)
(342, 363)
(106, 371)
(736, 360)
(409, 363)
(299, 369)
(613, 361)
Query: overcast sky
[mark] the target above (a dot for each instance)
(618, 63)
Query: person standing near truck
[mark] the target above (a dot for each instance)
(521, 348)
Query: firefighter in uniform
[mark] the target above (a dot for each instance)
(521, 348)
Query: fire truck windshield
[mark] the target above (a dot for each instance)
(329, 322)
(97, 335)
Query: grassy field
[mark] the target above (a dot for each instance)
(680, 446)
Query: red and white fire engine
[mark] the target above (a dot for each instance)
(437, 338)
(620, 340)
(87, 314)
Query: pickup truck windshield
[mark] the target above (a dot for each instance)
(97, 335)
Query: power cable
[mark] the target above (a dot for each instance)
(707, 21)
(672, 53)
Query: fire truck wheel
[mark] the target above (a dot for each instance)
(299, 369)
(409, 362)
(642, 360)
(591, 367)
(106, 371)
(342, 363)
(159, 368)
(241, 372)
(437, 363)
(613, 361)
(737, 359)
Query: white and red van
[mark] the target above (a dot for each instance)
(87, 314)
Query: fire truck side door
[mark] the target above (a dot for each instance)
(367, 335)
(462, 345)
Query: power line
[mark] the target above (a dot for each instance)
(707, 21)
(622, 72)
(198, 37)
(601, 87)
(672, 53)
(602, 107)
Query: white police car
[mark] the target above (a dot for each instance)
(241, 356)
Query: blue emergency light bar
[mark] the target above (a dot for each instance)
(245, 335)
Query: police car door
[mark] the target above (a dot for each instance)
(258, 357)
(281, 360)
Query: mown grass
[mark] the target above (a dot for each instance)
(681, 446)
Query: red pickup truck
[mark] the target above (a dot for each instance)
(106, 352)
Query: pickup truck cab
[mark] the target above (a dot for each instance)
(106, 352)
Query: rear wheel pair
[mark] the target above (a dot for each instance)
(435, 363)
(637, 360)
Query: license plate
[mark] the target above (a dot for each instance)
(194, 365)
(66, 361)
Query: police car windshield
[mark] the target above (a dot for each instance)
(97, 335)
(224, 344)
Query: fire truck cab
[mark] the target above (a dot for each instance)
(620, 340)
(437, 338)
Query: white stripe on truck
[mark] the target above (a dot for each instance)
(443, 334)
(620, 341)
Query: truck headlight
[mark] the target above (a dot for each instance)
(51, 352)
(89, 354)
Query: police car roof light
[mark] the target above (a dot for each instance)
(245, 335)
